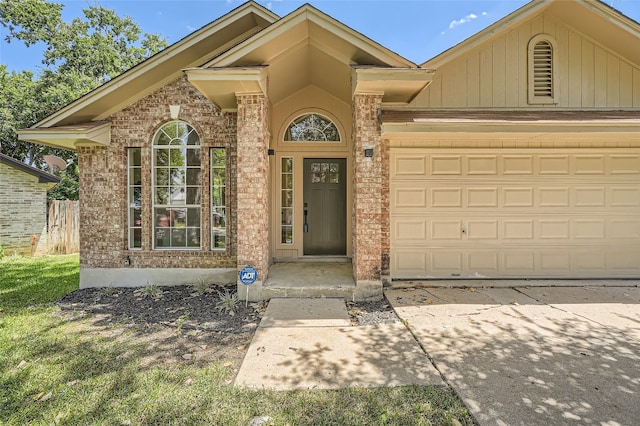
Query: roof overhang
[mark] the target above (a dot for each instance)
(593, 18)
(397, 85)
(507, 124)
(43, 177)
(222, 85)
(69, 137)
(165, 66)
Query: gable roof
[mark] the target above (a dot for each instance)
(611, 28)
(307, 48)
(310, 25)
(43, 177)
(165, 66)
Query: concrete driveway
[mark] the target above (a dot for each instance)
(533, 356)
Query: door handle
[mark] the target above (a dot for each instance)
(305, 226)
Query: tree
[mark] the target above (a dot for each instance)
(79, 56)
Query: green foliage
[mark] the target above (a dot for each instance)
(79, 56)
(67, 189)
(227, 301)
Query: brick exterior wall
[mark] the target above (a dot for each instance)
(23, 209)
(253, 188)
(103, 183)
(368, 185)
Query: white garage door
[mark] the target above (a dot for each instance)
(554, 213)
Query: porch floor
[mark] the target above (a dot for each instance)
(310, 275)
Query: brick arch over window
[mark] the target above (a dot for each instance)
(542, 70)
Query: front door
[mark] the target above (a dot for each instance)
(325, 203)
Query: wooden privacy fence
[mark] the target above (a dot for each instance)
(64, 227)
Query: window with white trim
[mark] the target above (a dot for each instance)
(218, 198)
(177, 187)
(134, 161)
(542, 70)
(286, 194)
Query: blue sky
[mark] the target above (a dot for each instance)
(416, 29)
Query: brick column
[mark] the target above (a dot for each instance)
(253, 190)
(367, 197)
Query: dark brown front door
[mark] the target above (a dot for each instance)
(325, 204)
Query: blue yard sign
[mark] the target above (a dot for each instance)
(248, 275)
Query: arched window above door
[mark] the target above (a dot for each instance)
(312, 128)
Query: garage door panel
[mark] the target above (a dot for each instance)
(553, 229)
(589, 196)
(407, 230)
(482, 165)
(621, 196)
(447, 263)
(553, 262)
(482, 229)
(510, 215)
(519, 263)
(517, 164)
(554, 164)
(623, 260)
(409, 166)
(589, 261)
(446, 197)
(446, 165)
(443, 229)
(589, 229)
(517, 229)
(411, 197)
(625, 164)
(483, 262)
(553, 197)
(410, 264)
(589, 164)
(628, 228)
(517, 197)
(482, 197)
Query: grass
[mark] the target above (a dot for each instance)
(59, 370)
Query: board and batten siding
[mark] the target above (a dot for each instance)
(494, 75)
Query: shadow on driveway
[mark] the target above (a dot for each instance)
(544, 355)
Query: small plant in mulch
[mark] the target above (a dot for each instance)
(227, 302)
(153, 291)
(201, 286)
(181, 320)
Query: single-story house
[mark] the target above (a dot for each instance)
(23, 206)
(259, 138)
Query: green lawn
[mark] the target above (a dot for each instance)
(56, 369)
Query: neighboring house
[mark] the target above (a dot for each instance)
(23, 206)
(515, 154)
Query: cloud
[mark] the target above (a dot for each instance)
(190, 28)
(470, 17)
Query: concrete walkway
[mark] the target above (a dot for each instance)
(310, 344)
(533, 356)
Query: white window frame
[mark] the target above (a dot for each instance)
(131, 202)
(223, 205)
(171, 206)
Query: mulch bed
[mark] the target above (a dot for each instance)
(189, 324)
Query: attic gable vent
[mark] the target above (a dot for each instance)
(541, 70)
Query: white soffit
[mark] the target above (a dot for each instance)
(222, 85)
